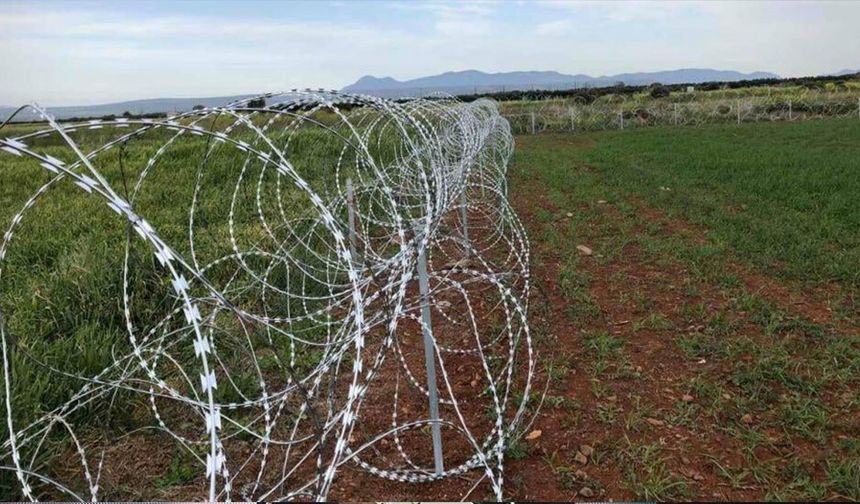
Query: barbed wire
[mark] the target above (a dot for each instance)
(623, 111)
(278, 335)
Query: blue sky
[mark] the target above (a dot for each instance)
(65, 53)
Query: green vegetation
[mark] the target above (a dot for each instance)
(61, 289)
(704, 208)
(778, 196)
(632, 107)
(781, 197)
(733, 251)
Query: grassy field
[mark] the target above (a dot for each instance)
(708, 346)
(61, 286)
(681, 108)
(780, 196)
(797, 93)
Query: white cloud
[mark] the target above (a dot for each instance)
(554, 28)
(67, 56)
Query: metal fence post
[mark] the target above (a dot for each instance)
(533, 122)
(350, 205)
(464, 216)
(738, 107)
(572, 119)
(464, 213)
(675, 113)
(789, 110)
(429, 357)
(621, 117)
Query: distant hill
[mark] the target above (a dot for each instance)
(457, 83)
(469, 81)
(150, 106)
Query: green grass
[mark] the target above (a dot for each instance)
(61, 285)
(779, 196)
(774, 199)
(844, 478)
(647, 476)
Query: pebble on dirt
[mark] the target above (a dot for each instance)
(586, 492)
(655, 422)
(579, 458)
(534, 435)
(584, 250)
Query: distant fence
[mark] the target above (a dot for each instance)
(623, 112)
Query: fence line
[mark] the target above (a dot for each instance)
(302, 318)
(619, 113)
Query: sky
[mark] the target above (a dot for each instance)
(86, 52)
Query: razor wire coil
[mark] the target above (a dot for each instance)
(276, 342)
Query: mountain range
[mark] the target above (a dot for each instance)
(471, 81)
(148, 106)
(464, 82)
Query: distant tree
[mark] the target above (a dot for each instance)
(126, 114)
(658, 90)
(198, 107)
(257, 103)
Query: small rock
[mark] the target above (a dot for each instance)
(687, 398)
(727, 396)
(580, 475)
(569, 214)
(584, 250)
(747, 419)
(612, 398)
(580, 458)
(698, 476)
(586, 492)
(534, 434)
(601, 202)
(655, 422)
(586, 450)
(685, 460)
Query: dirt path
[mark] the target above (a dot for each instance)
(668, 379)
(658, 410)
